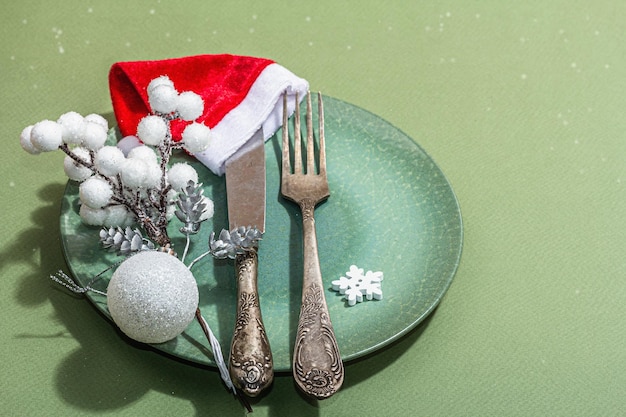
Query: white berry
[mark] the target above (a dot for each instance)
(134, 173)
(190, 105)
(162, 80)
(163, 99)
(94, 136)
(92, 217)
(180, 174)
(75, 170)
(73, 125)
(118, 215)
(128, 143)
(46, 136)
(209, 209)
(95, 192)
(27, 145)
(196, 137)
(97, 119)
(143, 152)
(153, 175)
(152, 130)
(109, 160)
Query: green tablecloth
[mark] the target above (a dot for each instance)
(520, 103)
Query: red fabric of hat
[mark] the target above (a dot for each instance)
(241, 94)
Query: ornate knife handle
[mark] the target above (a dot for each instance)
(251, 364)
(317, 365)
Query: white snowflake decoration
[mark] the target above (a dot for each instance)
(355, 285)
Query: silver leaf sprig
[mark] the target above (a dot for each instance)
(237, 241)
(191, 209)
(124, 240)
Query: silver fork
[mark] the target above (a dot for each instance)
(317, 365)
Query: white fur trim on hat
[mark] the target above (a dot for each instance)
(262, 107)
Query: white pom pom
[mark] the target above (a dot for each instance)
(94, 136)
(143, 152)
(209, 208)
(162, 80)
(74, 170)
(152, 297)
(190, 105)
(163, 99)
(97, 119)
(26, 143)
(134, 172)
(118, 215)
(171, 211)
(152, 130)
(95, 192)
(92, 217)
(46, 136)
(153, 175)
(73, 125)
(179, 175)
(172, 195)
(196, 137)
(128, 143)
(109, 160)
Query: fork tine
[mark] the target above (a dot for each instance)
(320, 115)
(310, 144)
(286, 164)
(297, 140)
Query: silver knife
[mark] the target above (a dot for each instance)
(251, 364)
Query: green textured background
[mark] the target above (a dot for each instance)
(520, 103)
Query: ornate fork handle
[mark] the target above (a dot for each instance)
(317, 365)
(251, 363)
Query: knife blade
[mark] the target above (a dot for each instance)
(251, 363)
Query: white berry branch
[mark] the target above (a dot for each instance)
(137, 185)
(119, 188)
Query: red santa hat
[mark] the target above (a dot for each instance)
(241, 94)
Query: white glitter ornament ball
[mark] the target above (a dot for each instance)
(152, 297)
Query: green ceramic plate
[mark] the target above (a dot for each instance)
(391, 209)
